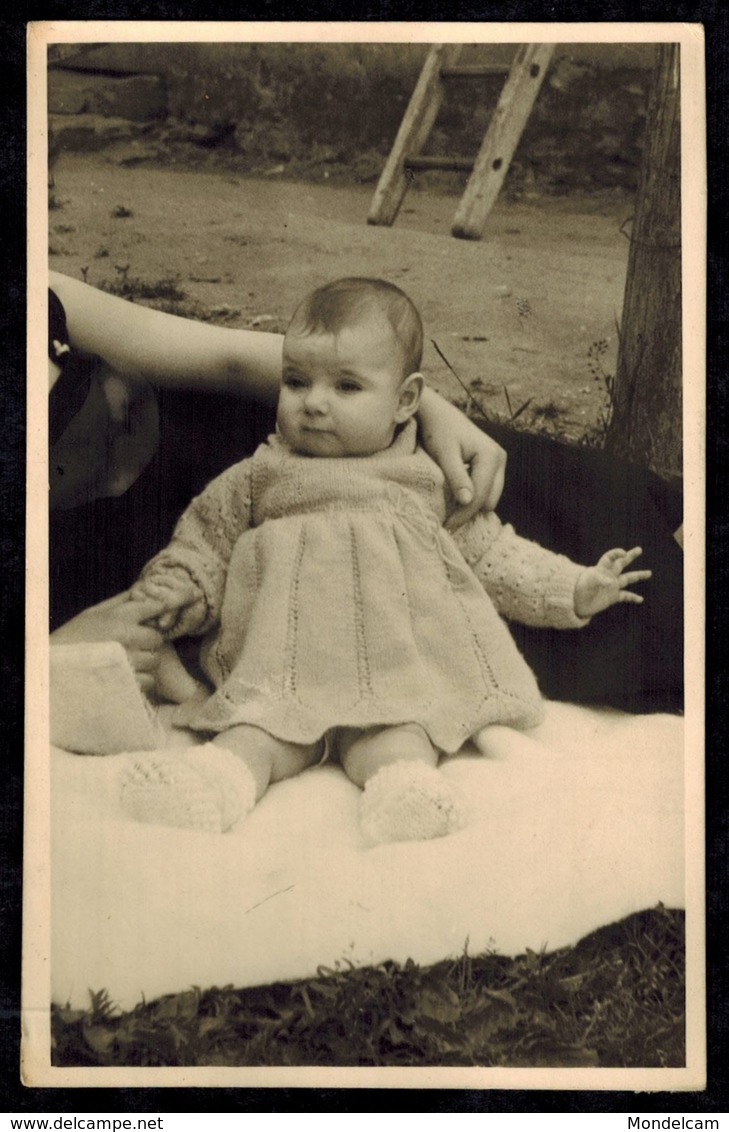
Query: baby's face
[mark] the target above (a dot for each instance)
(340, 394)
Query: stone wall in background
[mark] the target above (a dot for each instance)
(337, 107)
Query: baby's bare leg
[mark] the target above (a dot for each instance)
(363, 753)
(173, 682)
(268, 759)
(211, 786)
(497, 741)
(405, 797)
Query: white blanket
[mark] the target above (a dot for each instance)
(573, 826)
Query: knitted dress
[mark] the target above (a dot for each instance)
(330, 595)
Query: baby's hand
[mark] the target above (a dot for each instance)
(174, 591)
(599, 587)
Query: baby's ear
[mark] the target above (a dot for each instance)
(409, 396)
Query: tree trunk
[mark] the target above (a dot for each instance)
(646, 420)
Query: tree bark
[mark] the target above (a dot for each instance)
(647, 397)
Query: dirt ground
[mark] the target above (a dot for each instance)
(527, 314)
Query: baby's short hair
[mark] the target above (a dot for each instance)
(335, 305)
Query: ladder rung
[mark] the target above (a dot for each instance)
(523, 79)
(475, 72)
(453, 164)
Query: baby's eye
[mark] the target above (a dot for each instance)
(293, 381)
(347, 386)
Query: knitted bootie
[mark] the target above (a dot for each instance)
(205, 788)
(410, 801)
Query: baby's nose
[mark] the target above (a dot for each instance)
(315, 400)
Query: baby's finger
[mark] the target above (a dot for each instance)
(634, 576)
(611, 560)
(156, 586)
(628, 595)
(631, 555)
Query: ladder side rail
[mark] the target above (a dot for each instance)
(502, 137)
(413, 133)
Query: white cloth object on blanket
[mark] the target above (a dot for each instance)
(572, 826)
(96, 705)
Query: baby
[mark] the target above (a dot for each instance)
(339, 619)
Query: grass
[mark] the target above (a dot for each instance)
(161, 294)
(134, 288)
(616, 999)
(547, 418)
(166, 295)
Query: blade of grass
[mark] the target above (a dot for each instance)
(477, 404)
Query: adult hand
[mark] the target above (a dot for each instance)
(474, 465)
(122, 620)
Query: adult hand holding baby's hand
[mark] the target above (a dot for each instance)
(599, 587)
(175, 593)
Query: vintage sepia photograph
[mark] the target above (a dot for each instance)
(365, 735)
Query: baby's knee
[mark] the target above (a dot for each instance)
(268, 758)
(290, 759)
(380, 747)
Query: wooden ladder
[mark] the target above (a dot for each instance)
(524, 77)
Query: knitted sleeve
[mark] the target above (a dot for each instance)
(202, 544)
(525, 582)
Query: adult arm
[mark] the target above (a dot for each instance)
(174, 352)
(169, 351)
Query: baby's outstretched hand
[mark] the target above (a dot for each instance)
(599, 587)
